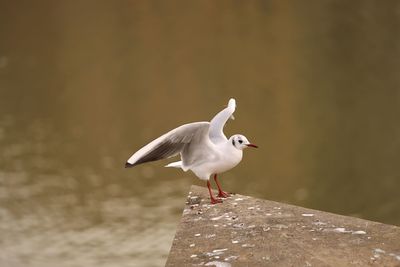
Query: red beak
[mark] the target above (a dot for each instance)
(252, 145)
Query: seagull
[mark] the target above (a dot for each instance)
(203, 147)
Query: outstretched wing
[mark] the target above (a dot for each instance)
(218, 122)
(170, 144)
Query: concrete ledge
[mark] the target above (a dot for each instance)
(245, 231)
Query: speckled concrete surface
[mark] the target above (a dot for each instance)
(245, 231)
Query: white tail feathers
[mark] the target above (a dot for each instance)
(177, 164)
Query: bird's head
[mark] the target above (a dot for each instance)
(240, 142)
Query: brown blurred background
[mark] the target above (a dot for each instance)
(84, 84)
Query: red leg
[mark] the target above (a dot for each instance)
(213, 200)
(220, 192)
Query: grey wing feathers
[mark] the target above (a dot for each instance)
(169, 144)
(163, 150)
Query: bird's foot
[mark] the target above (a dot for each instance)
(223, 194)
(215, 201)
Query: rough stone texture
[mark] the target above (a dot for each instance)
(245, 231)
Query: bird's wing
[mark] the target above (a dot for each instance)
(170, 144)
(201, 149)
(217, 123)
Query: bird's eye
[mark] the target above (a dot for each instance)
(240, 141)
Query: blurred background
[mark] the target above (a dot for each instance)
(84, 84)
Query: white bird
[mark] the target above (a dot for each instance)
(203, 147)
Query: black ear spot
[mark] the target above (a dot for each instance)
(233, 142)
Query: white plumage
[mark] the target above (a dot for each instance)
(203, 147)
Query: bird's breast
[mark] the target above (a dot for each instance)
(222, 160)
(228, 160)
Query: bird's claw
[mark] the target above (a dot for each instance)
(223, 194)
(215, 201)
